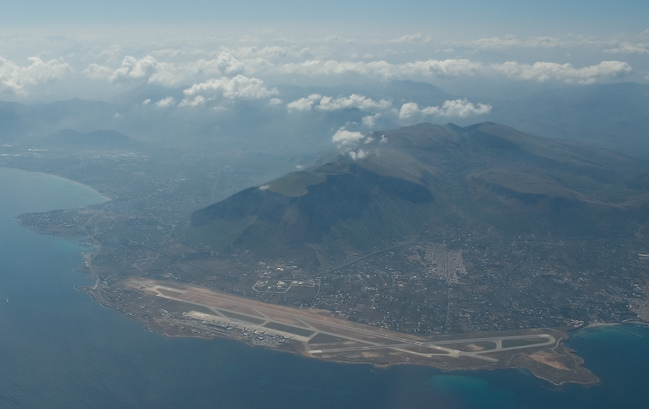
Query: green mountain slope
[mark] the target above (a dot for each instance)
(430, 181)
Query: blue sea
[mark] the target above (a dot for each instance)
(60, 349)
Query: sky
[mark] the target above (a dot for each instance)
(227, 51)
(572, 15)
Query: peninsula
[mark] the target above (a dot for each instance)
(458, 248)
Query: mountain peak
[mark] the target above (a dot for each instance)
(423, 179)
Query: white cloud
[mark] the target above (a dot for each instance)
(412, 39)
(358, 154)
(171, 74)
(193, 102)
(18, 79)
(171, 52)
(188, 58)
(442, 68)
(166, 73)
(166, 102)
(619, 43)
(344, 138)
(325, 103)
(629, 48)
(452, 108)
(408, 110)
(134, 69)
(547, 42)
(384, 69)
(111, 53)
(230, 89)
(370, 120)
(287, 59)
(353, 101)
(335, 67)
(497, 42)
(131, 69)
(457, 68)
(349, 141)
(335, 39)
(98, 72)
(544, 71)
(460, 108)
(303, 104)
(272, 52)
(225, 63)
(510, 41)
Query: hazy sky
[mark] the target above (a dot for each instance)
(55, 50)
(575, 15)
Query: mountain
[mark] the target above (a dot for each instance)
(101, 139)
(612, 116)
(29, 123)
(429, 181)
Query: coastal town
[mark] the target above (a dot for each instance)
(442, 284)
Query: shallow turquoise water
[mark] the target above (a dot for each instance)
(59, 349)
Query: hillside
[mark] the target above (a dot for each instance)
(427, 181)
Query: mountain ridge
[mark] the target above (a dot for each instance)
(412, 181)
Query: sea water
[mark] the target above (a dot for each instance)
(60, 349)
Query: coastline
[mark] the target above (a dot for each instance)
(105, 287)
(153, 322)
(554, 363)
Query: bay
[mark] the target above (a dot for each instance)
(60, 349)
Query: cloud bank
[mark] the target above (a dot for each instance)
(456, 68)
(545, 71)
(325, 103)
(226, 89)
(17, 79)
(461, 108)
(121, 61)
(170, 67)
(168, 73)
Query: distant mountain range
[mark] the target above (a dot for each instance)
(102, 139)
(613, 116)
(607, 115)
(425, 181)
